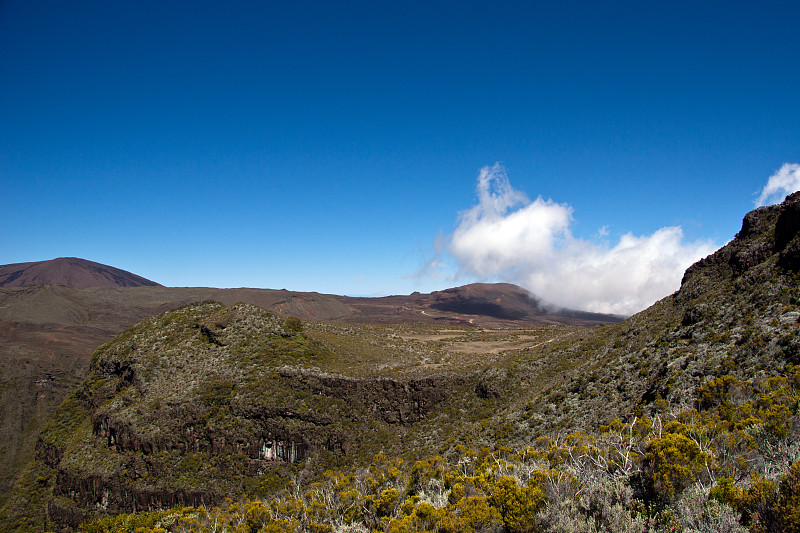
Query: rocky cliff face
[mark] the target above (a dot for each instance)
(769, 238)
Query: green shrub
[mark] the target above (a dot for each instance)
(293, 324)
(788, 505)
(517, 505)
(672, 463)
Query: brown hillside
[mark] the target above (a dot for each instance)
(69, 271)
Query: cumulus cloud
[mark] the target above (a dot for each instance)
(781, 184)
(506, 236)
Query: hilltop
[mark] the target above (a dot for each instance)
(69, 271)
(645, 418)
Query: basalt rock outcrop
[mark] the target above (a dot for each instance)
(391, 400)
(770, 236)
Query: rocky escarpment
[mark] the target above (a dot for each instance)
(737, 313)
(770, 236)
(192, 406)
(393, 401)
(75, 495)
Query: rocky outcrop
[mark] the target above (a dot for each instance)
(267, 439)
(96, 492)
(787, 234)
(737, 307)
(390, 400)
(770, 233)
(48, 453)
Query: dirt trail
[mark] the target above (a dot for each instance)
(548, 341)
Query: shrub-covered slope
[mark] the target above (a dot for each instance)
(736, 313)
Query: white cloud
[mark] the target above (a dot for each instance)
(780, 184)
(506, 236)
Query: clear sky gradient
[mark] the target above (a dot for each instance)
(337, 146)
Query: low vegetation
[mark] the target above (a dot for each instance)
(717, 467)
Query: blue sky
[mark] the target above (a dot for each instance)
(337, 146)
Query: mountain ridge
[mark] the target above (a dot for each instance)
(481, 302)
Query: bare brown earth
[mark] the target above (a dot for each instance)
(70, 271)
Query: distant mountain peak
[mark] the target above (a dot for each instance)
(506, 301)
(69, 271)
